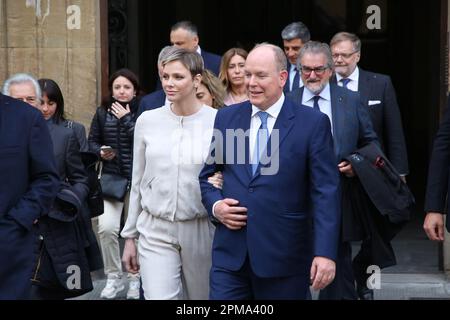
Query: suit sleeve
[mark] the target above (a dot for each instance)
(44, 180)
(393, 131)
(214, 163)
(438, 172)
(325, 191)
(80, 132)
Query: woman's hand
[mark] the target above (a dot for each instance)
(118, 111)
(107, 154)
(129, 257)
(216, 180)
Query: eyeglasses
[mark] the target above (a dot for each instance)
(318, 71)
(343, 55)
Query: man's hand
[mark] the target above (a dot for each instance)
(346, 168)
(230, 215)
(323, 271)
(216, 180)
(129, 257)
(434, 226)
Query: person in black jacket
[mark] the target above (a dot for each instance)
(66, 240)
(438, 182)
(111, 138)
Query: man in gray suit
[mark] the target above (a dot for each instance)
(378, 97)
(351, 128)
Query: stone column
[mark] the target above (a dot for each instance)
(56, 39)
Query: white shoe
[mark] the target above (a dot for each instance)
(112, 288)
(133, 289)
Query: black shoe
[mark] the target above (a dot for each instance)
(364, 293)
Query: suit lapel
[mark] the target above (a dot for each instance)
(283, 124)
(244, 124)
(338, 115)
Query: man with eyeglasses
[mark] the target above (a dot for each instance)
(351, 128)
(28, 183)
(378, 96)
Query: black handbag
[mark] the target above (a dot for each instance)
(95, 195)
(114, 186)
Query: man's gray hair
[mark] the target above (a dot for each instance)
(280, 57)
(296, 30)
(314, 47)
(191, 60)
(19, 78)
(347, 36)
(186, 25)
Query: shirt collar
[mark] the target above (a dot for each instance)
(354, 76)
(325, 94)
(199, 50)
(273, 111)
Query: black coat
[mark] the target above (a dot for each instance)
(107, 130)
(378, 203)
(65, 233)
(438, 174)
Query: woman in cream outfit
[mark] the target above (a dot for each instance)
(166, 213)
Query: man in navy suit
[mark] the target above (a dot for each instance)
(263, 246)
(29, 183)
(294, 36)
(352, 129)
(184, 34)
(378, 97)
(438, 183)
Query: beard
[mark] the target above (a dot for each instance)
(315, 87)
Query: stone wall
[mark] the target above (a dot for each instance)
(56, 39)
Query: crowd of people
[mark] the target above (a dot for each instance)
(206, 215)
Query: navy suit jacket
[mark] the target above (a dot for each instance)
(212, 62)
(385, 116)
(29, 183)
(152, 101)
(278, 237)
(352, 127)
(438, 174)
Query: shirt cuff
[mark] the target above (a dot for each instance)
(214, 208)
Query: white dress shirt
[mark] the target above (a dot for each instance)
(354, 80)
(255, 124)
(324, 102)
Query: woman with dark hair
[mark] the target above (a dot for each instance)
(53, 108)
(111, 138)
(233, 76)
(65, 232)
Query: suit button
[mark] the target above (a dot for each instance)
(251, 190)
